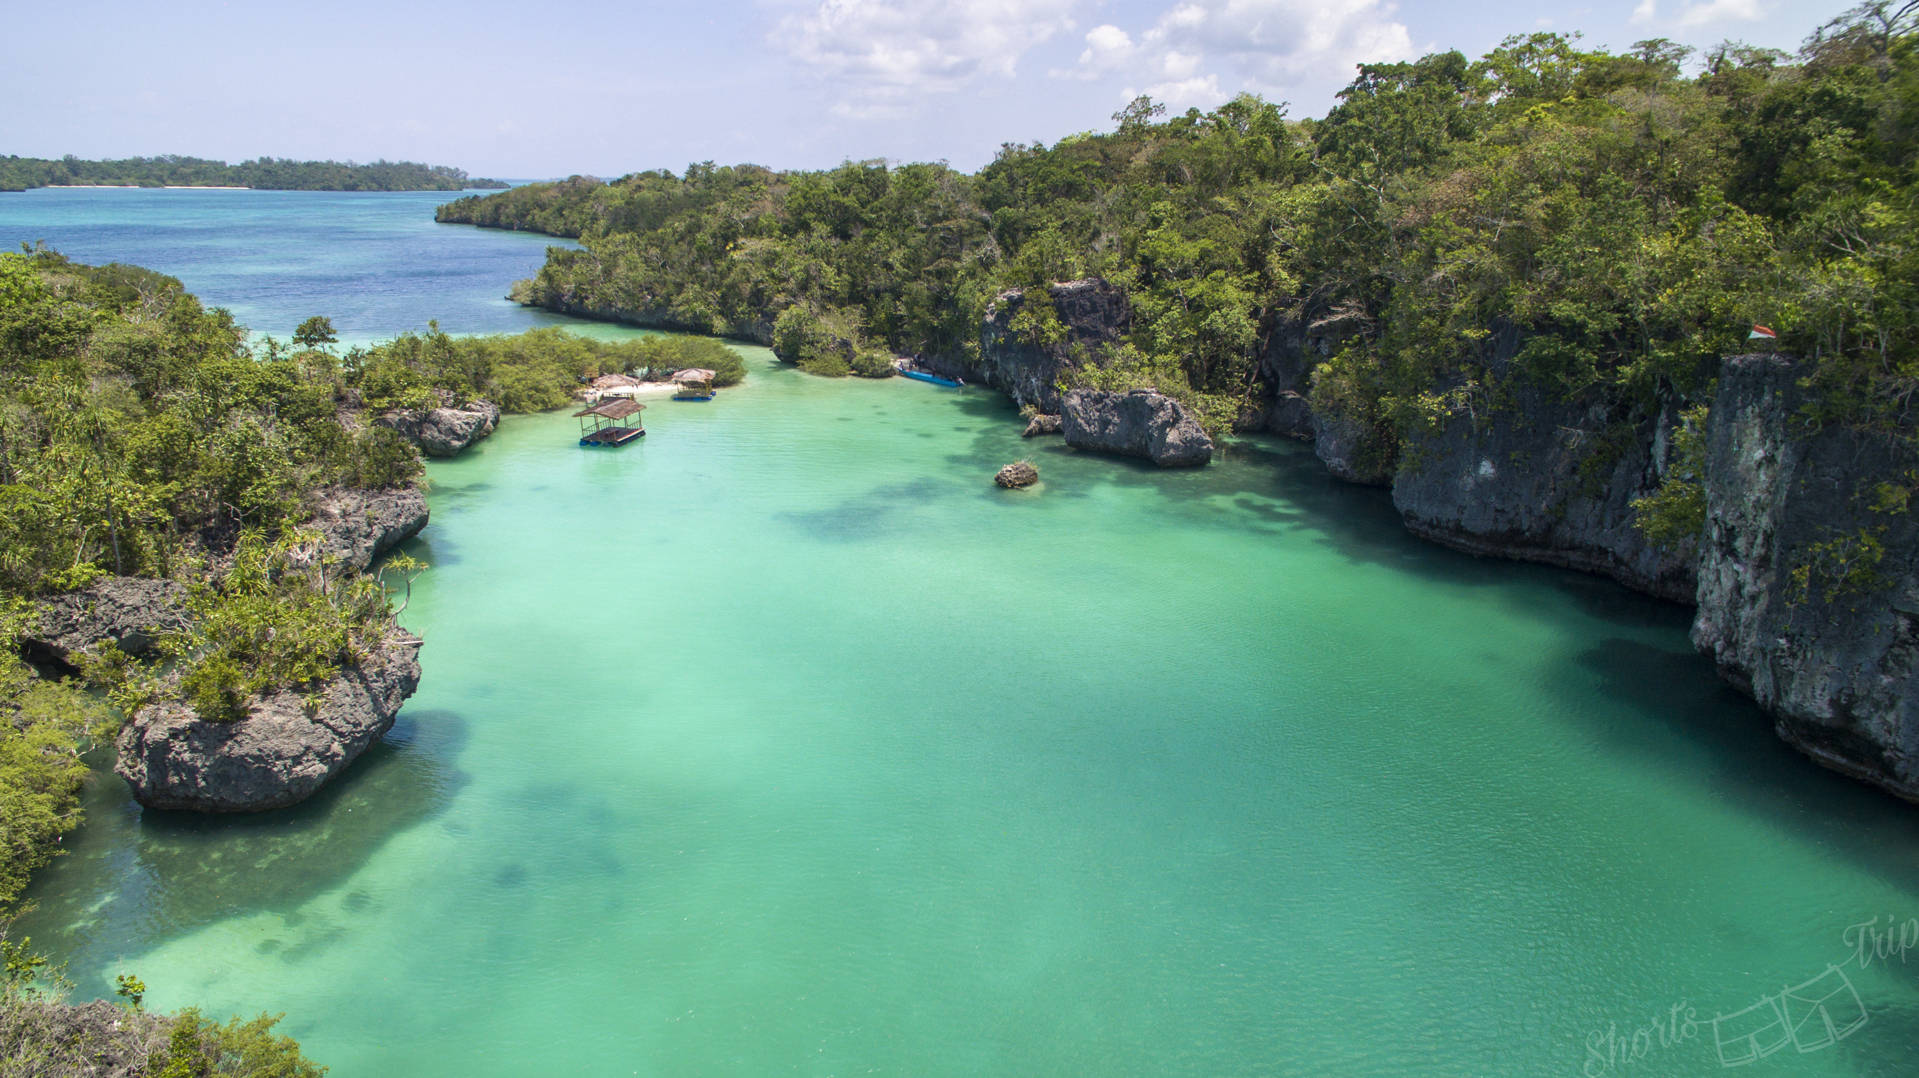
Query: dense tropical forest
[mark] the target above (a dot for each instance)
(264, 174)
(1626, 217)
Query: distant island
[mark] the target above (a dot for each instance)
(262, 174)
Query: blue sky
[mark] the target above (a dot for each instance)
(551, 87)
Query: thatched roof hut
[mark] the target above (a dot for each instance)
(693, 374)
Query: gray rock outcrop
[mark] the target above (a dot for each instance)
(1140, 423)
(1795, 606)
(357, 526)
(1550, 480)
(1094, 314)
(1041, 424)
(280, 752)
(1020, 473)
(132, 612)
(444, 432)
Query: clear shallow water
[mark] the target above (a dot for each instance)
(782, 742)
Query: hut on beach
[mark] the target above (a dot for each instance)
(612, 385)
(606, 423)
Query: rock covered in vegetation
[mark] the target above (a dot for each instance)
(444, 432)
(357, 526)
(1041, 424)
(1093, 313)
(1809, 575)
(280, 752)
(1140, 423)
(1547, 480)
(1020, 473)
(132, 612)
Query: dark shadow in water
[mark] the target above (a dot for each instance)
(1740, 759)
(1280, 486)
(436, 547)
(135, 876)
(866, 516)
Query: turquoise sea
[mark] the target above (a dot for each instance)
(782, 742)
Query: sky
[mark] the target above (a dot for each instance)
(545, 88)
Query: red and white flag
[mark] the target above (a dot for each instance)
(1762, 333)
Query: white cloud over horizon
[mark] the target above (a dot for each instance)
(1201, 52)
(880, 50)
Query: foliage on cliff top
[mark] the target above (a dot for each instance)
(1625, 217)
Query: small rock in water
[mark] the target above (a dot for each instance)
(1020, 473)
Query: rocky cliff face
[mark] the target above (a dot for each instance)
(1141, 423)
(1094, 313)
(129, 611)
(1549, 480)
(1795, 606)
(280, 753)
(1286, 360)
(444, 432)
(357, 526)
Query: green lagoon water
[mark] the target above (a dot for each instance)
(782, 742)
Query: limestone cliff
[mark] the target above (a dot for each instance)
(288, 745)
(444, 432)
(1809, 574)
(1546, 479)
(357, 526)
(1094, 314)
(131, 612)
(1141, 423)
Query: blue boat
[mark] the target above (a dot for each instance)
(933, 378)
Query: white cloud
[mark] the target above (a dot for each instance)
(1106, 47)
(1645, 12)
(1199, 92)
(1266, 45)
(1718, 11)
(888, 48)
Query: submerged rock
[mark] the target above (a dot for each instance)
(1808, 595)
(1020, 473)
(1141, 423)
(280, 752)
(357, 526)
(1041, 424)
(132, 612)
(444, 432)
